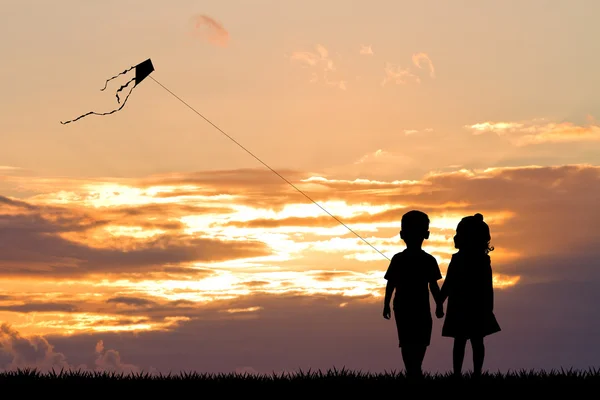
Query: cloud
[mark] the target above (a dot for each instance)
(398, 75)
(17, 351)
(8, 169)
(38, 306)
(401, 76)
(420, 59)
(131, 301)
(378, 160)
(539, 131)
(20, 352)
(306, 57)
(59, 240)
(544, 325)
(268, 239)
(319, 59)
(366, 50)
(210, 30)
(409, 132)
(110, 361)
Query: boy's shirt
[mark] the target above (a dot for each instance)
(410, 272)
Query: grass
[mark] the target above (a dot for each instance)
(308, 382)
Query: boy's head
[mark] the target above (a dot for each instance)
(415, 228)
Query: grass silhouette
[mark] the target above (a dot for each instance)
(334, 381)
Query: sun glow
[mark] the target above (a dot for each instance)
(293, 232)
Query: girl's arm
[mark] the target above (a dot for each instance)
(445, 290)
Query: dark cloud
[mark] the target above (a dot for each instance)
(110, 360)
(131, 301)
(162, 211)
(19, 352)
(40, 307)
(544, 326)
(31, 243)
(15, 203)
(120, 322)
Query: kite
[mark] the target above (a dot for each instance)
(142, 70)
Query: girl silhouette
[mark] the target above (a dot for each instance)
(468, 287)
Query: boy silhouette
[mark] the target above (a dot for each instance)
(409, 274)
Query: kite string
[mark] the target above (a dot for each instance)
(263, 163)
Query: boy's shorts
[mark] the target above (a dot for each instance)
(413, 331)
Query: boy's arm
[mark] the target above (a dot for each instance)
(435, 292)
(389, 290)
(439, 303)
(390, 277)
(434, 277)
(387, 311)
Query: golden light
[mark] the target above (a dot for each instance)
(279, 273)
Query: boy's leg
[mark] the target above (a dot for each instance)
(419, 357)
(410, 355)
(408, 358)
(413, 356)
(458, 355)
(478, 355)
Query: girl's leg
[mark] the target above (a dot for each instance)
(458, 355)
(478, 355)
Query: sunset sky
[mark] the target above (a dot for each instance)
(147, 240)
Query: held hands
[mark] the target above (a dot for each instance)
(439, 311)
(387, 312)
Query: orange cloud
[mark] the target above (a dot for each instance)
(398, 75)
(319, 59)
(210, 29)
(71, 240)
(401, 76)
(539, 131)
(422, 58)
(366, 50)
(152, 253)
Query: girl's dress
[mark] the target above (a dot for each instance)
(468, 285)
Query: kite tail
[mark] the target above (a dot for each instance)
(106, 113)
(116, 76)
(123, 87)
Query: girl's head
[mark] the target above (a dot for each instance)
(472, 234)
